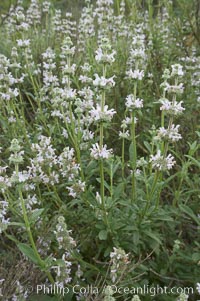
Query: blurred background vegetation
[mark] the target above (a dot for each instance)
(186, 7)
(62, 4)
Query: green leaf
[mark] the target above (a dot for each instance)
(35, 215)
(11, 237)
(194, 161)
(103, 235)
(99, 226)
(28, 252)
(148, 146)
(188, 211)
(136, 238)
(17, 224)
(196, 257)
(153, 236)
(118, 190)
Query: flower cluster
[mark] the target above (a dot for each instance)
(108, 294)
(63, 236)
(102, 82)
(98, 152)
(119, 260)
(103, 57)
(49, 78)
(16, 158)
(172, 108)
(183, 297)
(160, 162)
(7, 81)
(169, 134)
(67, 243)
(4, 222)
(63, 271)
(136, 74)
(133, 103)
(5, 181)
(99, 114)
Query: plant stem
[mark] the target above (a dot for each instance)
(28, 229)
(155, 180)
(133, 140)
(123, 159)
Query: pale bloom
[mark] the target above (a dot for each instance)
(176, 89)
(100, 153)
(102, 115)
(136, 74)
(133, 103)
(162, 163)
(171, 107)
(103, 82)
(177, 70)
(169, 133)
(104, 57)
(23, 43)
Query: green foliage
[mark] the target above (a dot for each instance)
(120, 204)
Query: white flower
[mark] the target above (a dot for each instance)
(86, 67)
(183, 297)
(68, 69)
(138, 53)
(141, 162)
(177, 89)
(85, 79)
(136, 74)
(76, 188)
(4, 222)
(169, 133)
(133, 103)
(23, 43)
(103, 82)
(49, 54)
(171, 107)
(87, 135)
(124, 134)
(160, 162)
(104, 57)
(177, 69)
(100, 153)
(98, 198)
(69, 94)
(198, 287)
(138, 172)
(21, 177)
(102, 115)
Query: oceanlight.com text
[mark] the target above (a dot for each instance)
(121, 290)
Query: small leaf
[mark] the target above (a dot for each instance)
(136, 238)
(17, 224)
(196, 257)
(153, 236)
(194, 161)
(103, 235)
(28, 252)
(148, 146)
(11, 237)
(119, 189)
(187, 210)
(35, 215)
